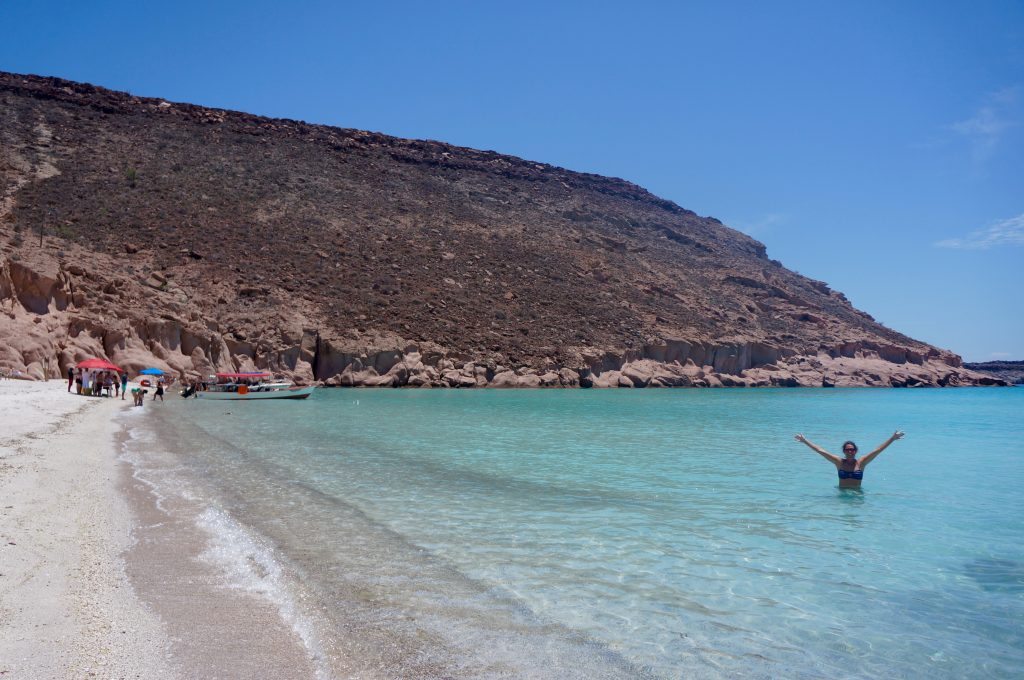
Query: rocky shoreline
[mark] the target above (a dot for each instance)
(55, 314)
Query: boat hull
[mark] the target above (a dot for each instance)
(253, 395)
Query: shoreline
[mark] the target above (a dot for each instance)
(117, 562)
(98, 577)
(66, 602)
(220, 623)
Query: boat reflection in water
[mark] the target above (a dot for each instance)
(247, 386)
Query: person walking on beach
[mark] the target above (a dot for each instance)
(71, 378)
(124, 384)
(849, 467)
(159, 390)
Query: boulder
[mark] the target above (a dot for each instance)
(454, 378)
(550, 379)
(510, 379)
(568, 377)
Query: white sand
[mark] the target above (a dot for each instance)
(67, 609)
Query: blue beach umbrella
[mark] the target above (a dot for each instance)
(151, 371)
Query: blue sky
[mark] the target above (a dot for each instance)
(877, 146)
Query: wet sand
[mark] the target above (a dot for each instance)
(96, 579)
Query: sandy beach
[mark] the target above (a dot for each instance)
(66, 606)
(97, 579)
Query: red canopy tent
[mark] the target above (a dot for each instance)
(99, 364)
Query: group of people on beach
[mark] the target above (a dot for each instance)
(97, 383)
(106, 383)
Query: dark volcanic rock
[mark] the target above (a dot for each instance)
(199, 238)
(1008, 371)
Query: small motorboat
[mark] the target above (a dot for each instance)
(249, 386)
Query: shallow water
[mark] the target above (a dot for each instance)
(586, 533)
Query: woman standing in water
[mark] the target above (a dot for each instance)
(850, 468)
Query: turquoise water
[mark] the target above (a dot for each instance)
(647, 533)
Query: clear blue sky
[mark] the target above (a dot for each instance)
(877, 146)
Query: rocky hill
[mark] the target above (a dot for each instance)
(1009, 371)
(197, 239)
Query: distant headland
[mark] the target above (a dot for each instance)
(1010, 371)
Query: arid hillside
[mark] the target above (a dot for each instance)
(153, 232)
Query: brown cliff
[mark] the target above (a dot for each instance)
(199, 239)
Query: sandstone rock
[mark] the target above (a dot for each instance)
(355, 376)
(302, 374)
(639, 373)
(670, 378)
(727, 380)
(396, 376)
(510, 379)
(35, 371)
(611, 379)
(550, 379)
(529, 380)
(568, 377)
(454, 378)
(505, 379)
(783, 379)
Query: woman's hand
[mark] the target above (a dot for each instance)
(881, 447)
(832, 458)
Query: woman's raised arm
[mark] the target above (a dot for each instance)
(881, 447)
(831, 457)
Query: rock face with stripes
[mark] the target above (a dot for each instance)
(157, 233)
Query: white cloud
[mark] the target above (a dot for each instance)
(1008, 232)
(985, 129)
(759, 226)
(999, 355)
(986, 123)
